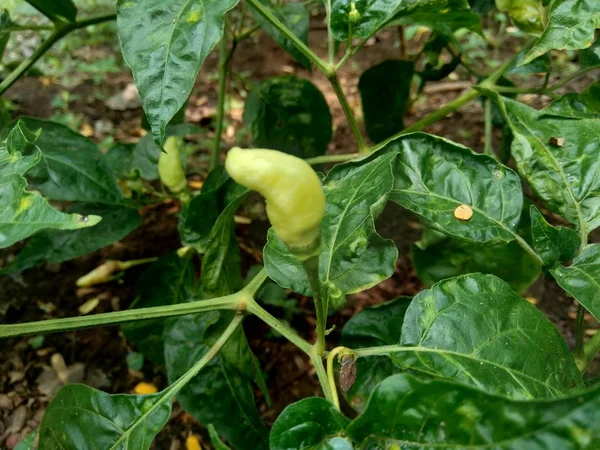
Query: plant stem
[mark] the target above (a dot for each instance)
(332, 158)
(311, 266)
(289, 333)
(224, 57)
(330, 37)
(337, 88)
(331, 377)
(516, 90)
(174, 389)
(230, 302)
(457, 103)
(56, 35)
(322, 376)
(573, 76)
(591, 349)
(26, 28)
(488, 149)
(302, 47)
(579, 331)
(256, 283)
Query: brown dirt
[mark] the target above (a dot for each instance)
(49, 291)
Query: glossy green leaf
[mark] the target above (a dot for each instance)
(353, 256)
(167, 281)
(200, 215)
(558, 156)
(474, 329)
(541, 64)
(23, 213)
(590, 57)
(412, 414)
(289, 114)
(72, 166)
(434, 176)
(582, 278)
(443, 16)
(221, 394)
(584, 105)
(56, 10)
(295, 17)
(221, 264)
(385, 95)
(165, 45)
(571, 26)
(146, 152)
(57, 246)
(82, 418)
(27, 443)
(552, 244)
(453, 257)
(309, 424)
(371, 327)
(120, 159)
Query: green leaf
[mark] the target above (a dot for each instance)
(82, 418)
(416, 414)
(562, 173)
(541, 64)
(309, 424)
(385, 95)
(221, 264)
(200, 215)
(443, 16)
(434, 176)
(24, 213)
(570, 26)
(582, 278)
(221, 394)
(215, 440)
(165, 46)
(289, 114)
(167, 281)
(58, 11)
(72, 167)
(454, 257)
(120, 159)
(19, 151)
(585, 105)
(295, 17)
(476, 330)
(528, 15)
(353, 256)
(27, 442)
(552, 244)
(58, 246)
(590, 57)
(371, 327)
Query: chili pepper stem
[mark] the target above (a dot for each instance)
(311, 266)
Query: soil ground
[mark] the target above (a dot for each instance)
(97, 357)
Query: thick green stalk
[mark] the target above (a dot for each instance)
(590, 350)
(337, 88)
(579, 332)
(331, 158)
(56, 35)
(174, 389)
(302, 47)
(488, 148)
(224, 58)
(311, 266)
(230, 302)
(457, 103)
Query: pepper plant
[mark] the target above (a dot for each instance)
(465, 363)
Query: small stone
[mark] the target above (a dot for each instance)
(463, 212)
(5, 402)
